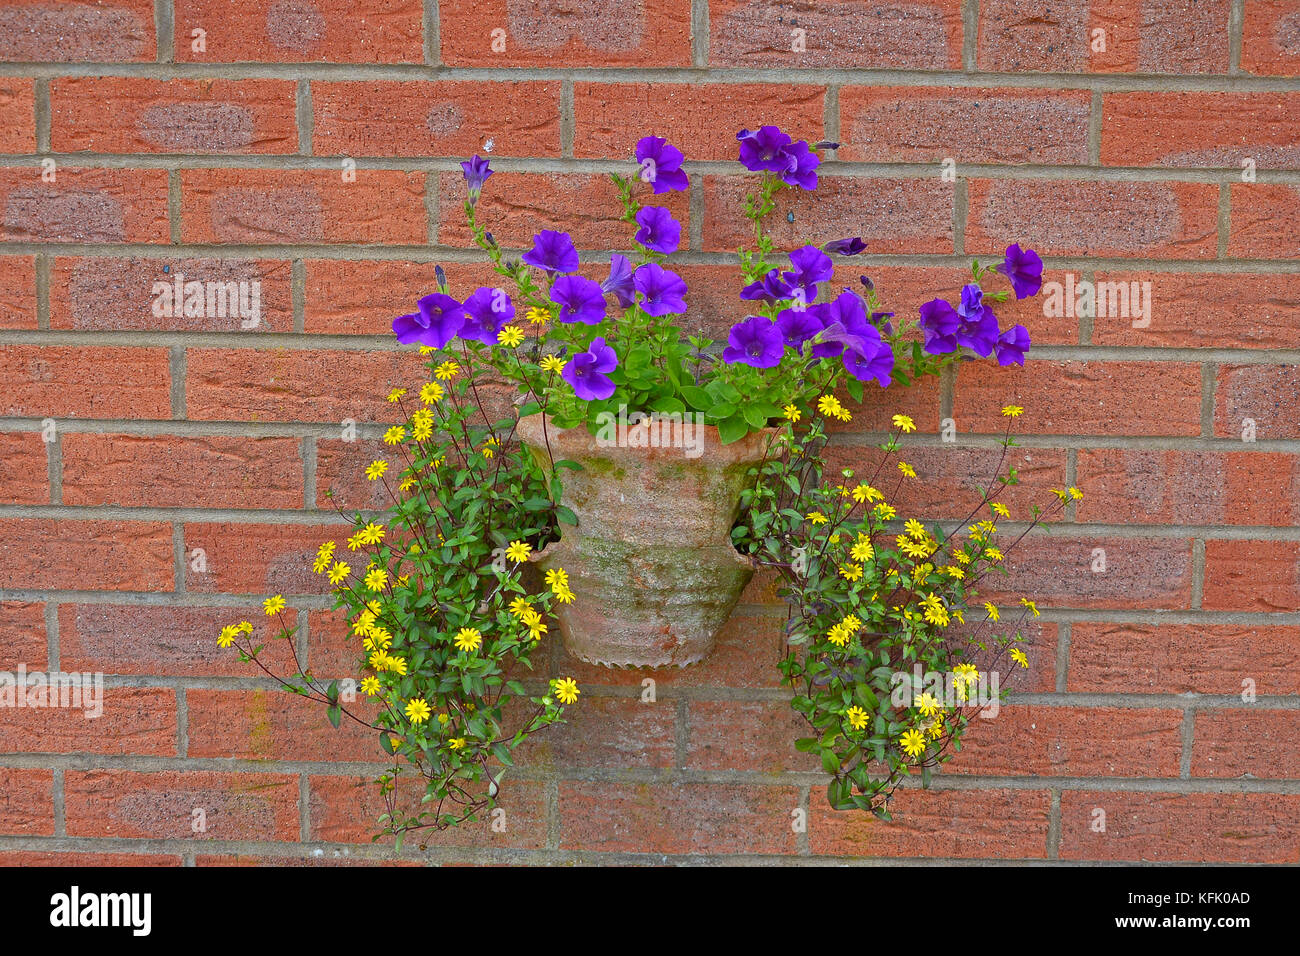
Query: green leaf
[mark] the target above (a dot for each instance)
(566, 515)
(335, 715)
(732, 429)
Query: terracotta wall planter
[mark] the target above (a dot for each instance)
(650, 560)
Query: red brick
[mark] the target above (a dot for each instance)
(382, 118)
(362, 297)
(288, 385)
(1200, 129)
(347, 809)
(54, 858)
(1182, 658)
(1260, 744)
(1180, 36)
(26, 801)
(131, 115)
(85, 555)
(1264, 221)
(1077, 218)
(340, 473)
(308, 856)
(677, 818)
(179, 472)
(274, 725)
(286, 205)
(136, 720)
(273, 31)
(608, 732)
(258, 559)
(1237, 310)
(912, 124)
(1251, 575)
(745, 656)
(24, 479)
(17, 113)
(1139, 486)
(842, 34)
(103, 32)
(609, 118)
(1056, 571)
(162, 805)
(604, 33)
(948, 824)
(40, 381)
(583, 205)
(949, 476)
(1268, 395)
(920, 402)
(84, 205)
(753, 735)
(1270, 37)
(332, 649)
(168, 641)
(911, 216)
(1181, 827)
(103, 294)
(17, 292)
(1072, 742)
(22, 636)
(1089, 398)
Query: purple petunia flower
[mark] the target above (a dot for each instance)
(587, 371)
(661, 164)
(803, 167)
(755, 341)
(846, 314)
(979, 326)
(552, 251)
(476, 173)
(877, 362)
(1024, 268)
(939, 322)
(620, 280)
(770, 288)
(661, 289)
(881, 321)
(845, 247)
(811, 266)
(765, 149)
(659, 231)
(580, 300)
(797, 326)
(438, 320)
(1012, 346)
(486, 313)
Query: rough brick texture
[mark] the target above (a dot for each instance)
(163, 470)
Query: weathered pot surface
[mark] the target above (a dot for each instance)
(650, 561)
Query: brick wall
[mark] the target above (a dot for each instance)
(1131, 163)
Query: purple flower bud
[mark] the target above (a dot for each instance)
(620, 280)
(845, 247)
(476, 173)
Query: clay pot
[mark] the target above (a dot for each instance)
(650, 561)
